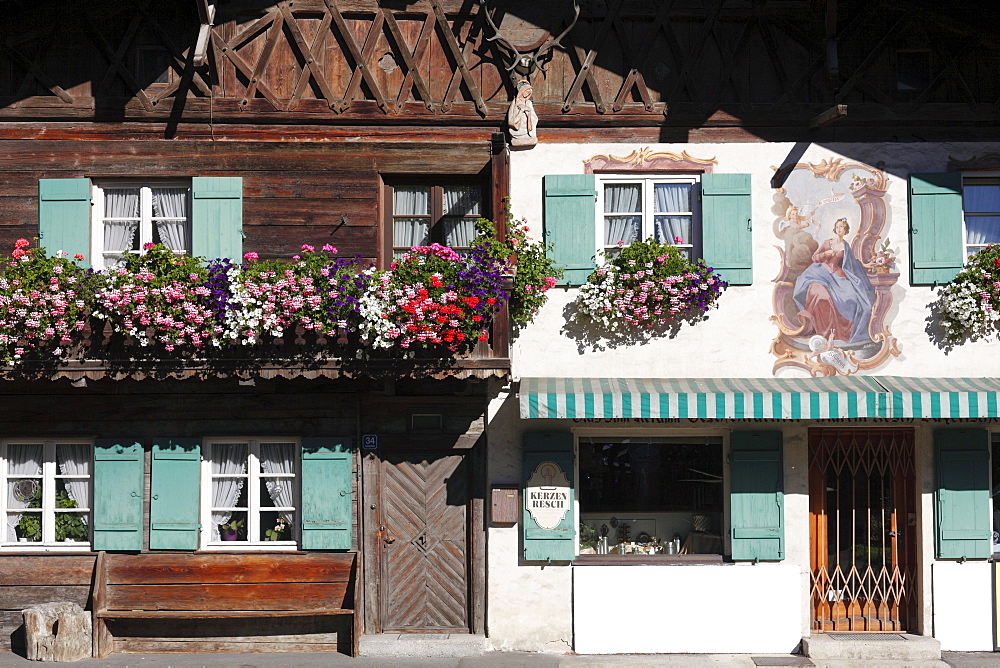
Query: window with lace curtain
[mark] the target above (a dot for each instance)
(250, 493)
(981, 204)
(638, 207)
(426, 213)
(46, 502)
(129, 215)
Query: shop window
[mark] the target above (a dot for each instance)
(426, 213)
(127, 216)
(664, 208)
(250, 493)
(643, 494)
(47, 493)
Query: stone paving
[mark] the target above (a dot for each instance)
(503, 660)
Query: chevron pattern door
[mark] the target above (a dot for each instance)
(424, 569)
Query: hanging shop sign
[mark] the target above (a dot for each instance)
(548, 495)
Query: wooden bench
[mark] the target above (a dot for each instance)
(222, 586)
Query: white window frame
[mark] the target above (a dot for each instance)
(974, 179)
(648, 181)
(50, 473)
(99, 259)
(252, 486)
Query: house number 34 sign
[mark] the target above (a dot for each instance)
(548, 495)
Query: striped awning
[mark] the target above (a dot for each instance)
(719, 398)
(941, 397)
(762, 398)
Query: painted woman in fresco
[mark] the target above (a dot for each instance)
(833, 294)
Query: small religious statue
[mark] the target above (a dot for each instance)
(521, 119)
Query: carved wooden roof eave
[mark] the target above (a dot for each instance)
(429, 369)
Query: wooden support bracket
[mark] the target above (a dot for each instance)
(831, 115)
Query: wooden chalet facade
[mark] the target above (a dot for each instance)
(312, 122)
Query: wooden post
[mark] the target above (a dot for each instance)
(103, 641)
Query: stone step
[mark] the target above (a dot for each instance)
(884, 646)
(422, 645)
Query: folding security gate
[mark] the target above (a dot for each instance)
(862, 495)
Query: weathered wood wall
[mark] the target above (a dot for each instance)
(143, 410)
(294, 192)
(30, 580)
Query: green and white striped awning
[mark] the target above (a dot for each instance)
(719, 398)
(941, 397)
(762, 398)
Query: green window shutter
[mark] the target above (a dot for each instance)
(64, 216)
(557, 543)
(757, 499)
(571, 223)
(937, 249)
(327, 498)
(174, 494)
(726, 230)
(118, 471)
(217, 217)
(964, 528)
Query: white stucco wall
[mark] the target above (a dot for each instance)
(963, 606)
(528, 607)
(734, 342)
(534, 609)
(731, 608)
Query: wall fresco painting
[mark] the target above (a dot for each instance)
(833, 290)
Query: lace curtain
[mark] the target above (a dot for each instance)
(21, 460)
(120, 203)
(619, 199)
(75, 460)
(409, 232)
(170, 213)
(227, 459)
(279, 458)
(460, 201)
(668, 198)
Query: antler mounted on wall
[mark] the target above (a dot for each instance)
(526, 62)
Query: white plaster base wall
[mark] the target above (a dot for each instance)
(734, 608)
(963, 606)
(528, 607)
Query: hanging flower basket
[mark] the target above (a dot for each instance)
(969, 305)
(432, 298)
(44, 304)
(646, 287)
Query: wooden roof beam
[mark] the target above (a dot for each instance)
(206, 13)
(831, 115)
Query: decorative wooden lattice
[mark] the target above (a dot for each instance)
(863, 529)
(425, 58)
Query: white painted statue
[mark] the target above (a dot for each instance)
(521, 119)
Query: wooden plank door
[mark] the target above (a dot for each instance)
(863, 534)
(423, 548)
